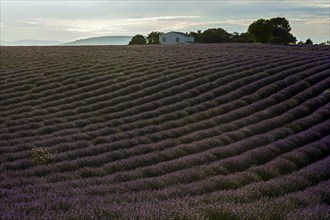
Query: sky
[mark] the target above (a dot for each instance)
(65, 21)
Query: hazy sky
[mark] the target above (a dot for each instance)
(70, 20)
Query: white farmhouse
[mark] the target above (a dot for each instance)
(176, 38)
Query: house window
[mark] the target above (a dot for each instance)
(177, 40)
(164, 39)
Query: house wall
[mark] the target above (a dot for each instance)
(171, 38)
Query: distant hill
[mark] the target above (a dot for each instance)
(30, 43)
(107, 40)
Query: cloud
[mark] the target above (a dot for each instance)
(317, 4)
(97, 26)
(316, 26)
(31, 22)
(309, 21)
(143, 25)
(237, 24)
(160, 18)
(82, 25)
(82, 19)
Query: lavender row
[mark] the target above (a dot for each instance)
(132, 152)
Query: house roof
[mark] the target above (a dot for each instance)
(181, 33)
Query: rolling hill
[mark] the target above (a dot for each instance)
(30, 43)
(106, 40)
(216, 131)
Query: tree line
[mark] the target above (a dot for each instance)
(275, 31)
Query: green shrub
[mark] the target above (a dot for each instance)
(41, 155)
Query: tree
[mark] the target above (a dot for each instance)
(282, 23)
(153, 37)
(325, 43)
(241, 38)
(261, 31)
(197, 36)
(138, 39)
(215, 35)
(277, 40)
(281, 31)
(309, 41)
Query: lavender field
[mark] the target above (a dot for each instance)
(226, 131)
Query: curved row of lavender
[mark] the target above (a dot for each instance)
(165, 132)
